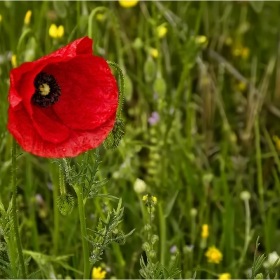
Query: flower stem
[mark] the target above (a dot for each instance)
(79, 193)
(12, 255)
(14, 212)
(55, 182)
(162, 230)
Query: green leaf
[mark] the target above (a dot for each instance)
(65, 204)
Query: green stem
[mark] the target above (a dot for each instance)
(14, 212)
(121, 87)
(78, 8)
(260, 182)
(82, 216)
(90, 19)
(29, 192)
(55, 210)
(61, 183)
(162, 230)
(12, 255)
(247, 231)
(259, 166)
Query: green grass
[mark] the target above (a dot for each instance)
(214, 140)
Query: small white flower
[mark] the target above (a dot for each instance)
(139, 186)
(272, 257)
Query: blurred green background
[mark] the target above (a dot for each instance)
(202, 117)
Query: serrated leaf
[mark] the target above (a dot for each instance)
(65, 204)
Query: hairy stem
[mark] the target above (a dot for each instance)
(14, 212)
(12, 255)
(82, 216)
(162, 229)
(55, 183)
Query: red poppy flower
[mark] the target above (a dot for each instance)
(64, 103)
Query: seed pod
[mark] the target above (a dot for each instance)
(149, 69)
(160, 86)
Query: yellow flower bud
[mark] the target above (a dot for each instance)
(205, 231)
(161, 31)
(201, 40)
(14, 61)
(27, 17)
(241, 86)
(154, 52)
(245, 53)
(224, 276)
(60, 31)
(56, 32)
(128, 4)
(145, 197)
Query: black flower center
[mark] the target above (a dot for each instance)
(47, 91)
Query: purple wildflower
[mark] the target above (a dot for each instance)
(173, 249)
(50, 186)
(39, 198)
(154, 118)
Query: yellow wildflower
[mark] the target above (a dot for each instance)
(98, 273)
(154, 52)
(241, 86)
(154, 199)
(128, 4)
(228, 41)
(224, 276)
(237, 51)
(161, 31)
(0, 18)
(145, 197)
(277, 142)
(14, 61)
(27, 17)
(205, 231)
(213, 255)
(241, 51)
(245, 53)
(56, 32)
(201, 40)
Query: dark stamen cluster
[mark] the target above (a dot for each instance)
(52, 97)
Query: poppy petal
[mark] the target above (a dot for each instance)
(77, 47)
(89, 101)
(84, 113)
(48, 125)
(31, 141)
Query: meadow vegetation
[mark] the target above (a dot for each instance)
(192, 190)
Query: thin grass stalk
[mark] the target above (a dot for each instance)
(14, 210)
